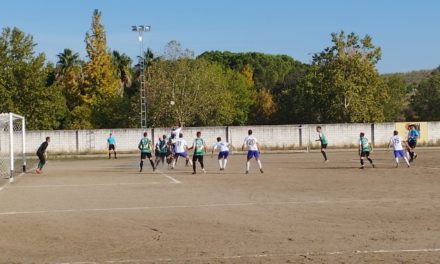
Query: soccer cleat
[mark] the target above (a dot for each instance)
(154, 169)
(247, 172)
(408, 166)
(361, 168)
(326, 161)
(204, 171)
(261, 170)
(194, 172)
(374, 166)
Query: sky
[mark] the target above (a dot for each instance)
(406, 30)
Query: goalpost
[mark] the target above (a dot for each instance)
(12, 145)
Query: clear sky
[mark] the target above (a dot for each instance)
(407, 30)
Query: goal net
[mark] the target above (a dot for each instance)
(12, 145)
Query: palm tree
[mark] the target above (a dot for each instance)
(148, 58)
(122, 65)
(67, 60)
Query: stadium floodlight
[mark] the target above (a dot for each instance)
(140, 29)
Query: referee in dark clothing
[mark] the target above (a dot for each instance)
(41, 153)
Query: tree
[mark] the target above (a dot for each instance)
(397, 101)
(101, 84)
(263, 108)
(69, 77)
(426, 99)
(24, 84)
(122, 64)
(347, 86)
(100, 79)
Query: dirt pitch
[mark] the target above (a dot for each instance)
(298, 211)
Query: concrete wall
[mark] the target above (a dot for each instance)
(433, 132)
(270, 137)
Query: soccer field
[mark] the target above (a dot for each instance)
(300, 211)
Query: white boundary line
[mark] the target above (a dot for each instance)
(84, 185)
(173, 180)
(195, 206)
(9, 181)
(198, 259)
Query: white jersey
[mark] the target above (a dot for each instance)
(251, 143)
(180, 144)
(396, 141)
(222, 146)
(176, 132)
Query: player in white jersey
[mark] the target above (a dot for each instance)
(252, 146)
(397, 142)
(180, 147)
(175, 132)
(223, 153)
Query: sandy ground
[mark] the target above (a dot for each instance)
(298, 211)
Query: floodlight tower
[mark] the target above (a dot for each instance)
(140, 30)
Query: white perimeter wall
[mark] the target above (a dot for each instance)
(275, 137)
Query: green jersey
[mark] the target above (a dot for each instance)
(162, 146)
(363, 144)
(322, 138)
(144, 145)
(199, 147)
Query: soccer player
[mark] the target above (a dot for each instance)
(397, 142)
(42, 155)
(199, 147)
(180, 150)
(252, 146)
(111, 146)
(413, 136)
(223, 153)
(323, 141)
(364, 150)
(145, 148)
(176, 131)
(161, 150)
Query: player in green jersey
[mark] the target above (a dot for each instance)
(364, 150)
(161, 150)
(145, 148)
(199, 147)
(323, 140)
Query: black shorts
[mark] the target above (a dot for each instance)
(412, 143)
(323, 146)
(111, 147)
(41, 157)
(145, 155)
(365, 154)
(198, 157)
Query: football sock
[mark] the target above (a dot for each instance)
(248, 165)
(324, 154)
(152, 164)
(141, 164)
(220, 163)
(224, 163)
(259, 164)
(362, 162)
(370, 160)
